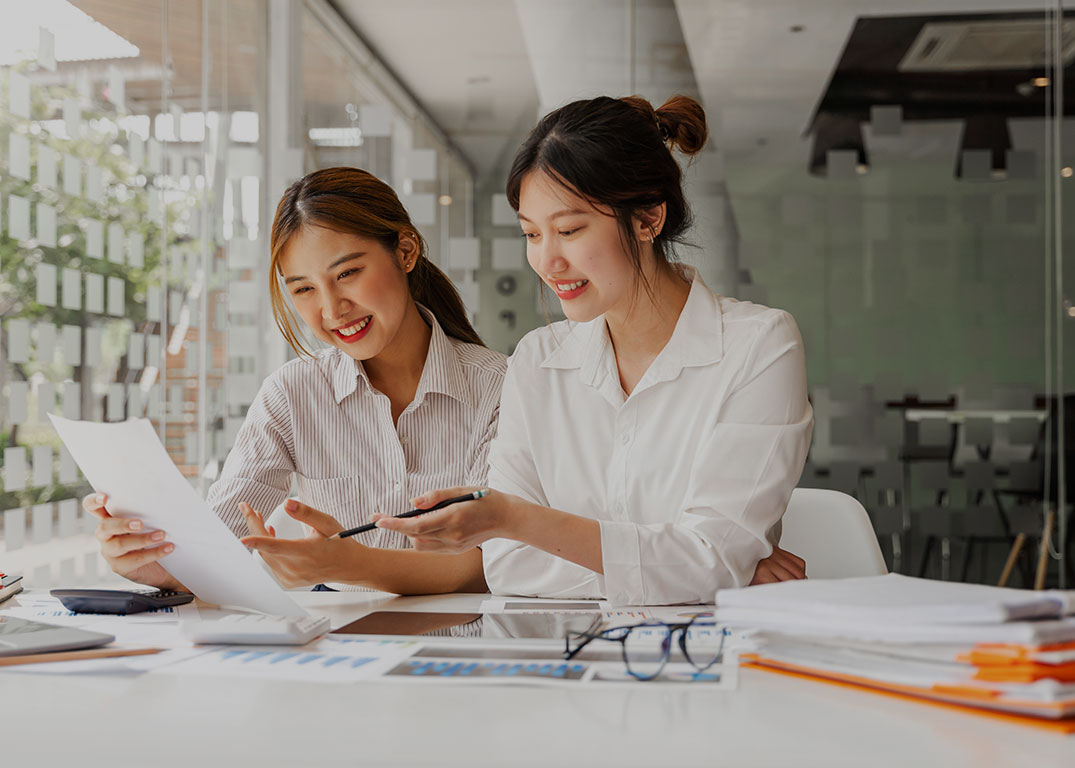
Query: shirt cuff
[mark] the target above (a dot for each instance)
(622, 563)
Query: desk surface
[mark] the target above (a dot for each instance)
(164, 720)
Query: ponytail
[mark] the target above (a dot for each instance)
(431, 288)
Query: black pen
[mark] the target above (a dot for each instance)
(413, 513)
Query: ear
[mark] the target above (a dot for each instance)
(649, 222)
(408, 251)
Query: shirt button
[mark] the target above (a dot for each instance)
(625, 438)
(398, 485)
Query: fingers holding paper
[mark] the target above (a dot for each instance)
(307, 561)
(129, 550)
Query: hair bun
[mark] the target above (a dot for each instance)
(682, 123)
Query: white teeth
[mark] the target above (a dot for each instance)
(567, 287)
(352, 330)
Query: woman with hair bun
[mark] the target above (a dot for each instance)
(405, 398)
(649, 444)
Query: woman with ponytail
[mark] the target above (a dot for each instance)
(404, 399)
(649, 444)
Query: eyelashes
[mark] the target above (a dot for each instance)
(341, 276)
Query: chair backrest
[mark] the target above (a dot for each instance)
(832, 533)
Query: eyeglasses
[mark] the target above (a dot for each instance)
(647, 647)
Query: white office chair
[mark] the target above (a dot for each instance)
(832, 533)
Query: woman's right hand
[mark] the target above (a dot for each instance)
(128, 550)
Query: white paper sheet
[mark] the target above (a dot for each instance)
(322, 662)
(127, 461)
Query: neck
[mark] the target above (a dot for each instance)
(640, 330)
(397, 370)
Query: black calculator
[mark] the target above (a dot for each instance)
(119, 601)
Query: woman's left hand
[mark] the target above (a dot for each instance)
(301, 562)
(458, 528)
(779, 566)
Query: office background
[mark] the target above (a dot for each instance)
(895, 174)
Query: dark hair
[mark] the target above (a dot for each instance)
(354, 201)
(616, 153)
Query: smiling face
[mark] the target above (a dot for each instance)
(350, 290)
(576, 249)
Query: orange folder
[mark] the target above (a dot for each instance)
(1053, 716)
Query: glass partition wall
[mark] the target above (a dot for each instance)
(130, 201)
(135, 204)
(899, 175)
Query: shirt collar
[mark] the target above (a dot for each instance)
(698, 339)
(440, 373)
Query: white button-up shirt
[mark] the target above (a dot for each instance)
(320, 422)
(688, 476)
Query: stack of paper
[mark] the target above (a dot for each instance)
(1004, 650)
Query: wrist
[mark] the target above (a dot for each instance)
(515, 513)
(357, 564)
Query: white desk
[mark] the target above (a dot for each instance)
(159, 720)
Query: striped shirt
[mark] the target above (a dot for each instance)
(319, 421)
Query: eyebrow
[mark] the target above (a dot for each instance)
(558, 214)
(333, 265)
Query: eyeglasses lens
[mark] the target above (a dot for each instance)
(645, 650)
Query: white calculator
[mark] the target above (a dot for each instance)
(256, 629)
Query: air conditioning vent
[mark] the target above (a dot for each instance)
(957, 46)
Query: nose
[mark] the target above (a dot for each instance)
(334, 305)
(546, 258)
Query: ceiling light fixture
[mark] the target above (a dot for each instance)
(336, 137)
